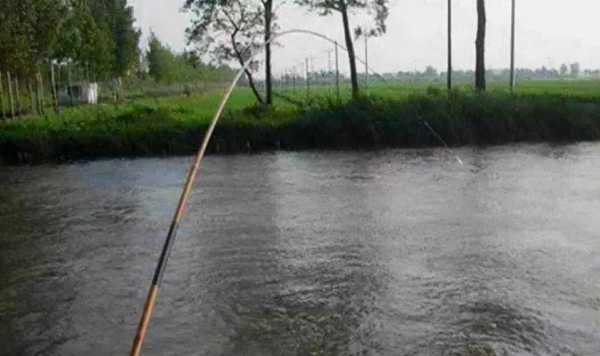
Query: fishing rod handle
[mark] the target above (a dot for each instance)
(144, 321)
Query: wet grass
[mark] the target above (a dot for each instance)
(388, 117)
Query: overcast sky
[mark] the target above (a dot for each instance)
(549, 32)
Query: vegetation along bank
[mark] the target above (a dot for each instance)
(175, 125)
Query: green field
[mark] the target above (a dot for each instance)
(391, 115)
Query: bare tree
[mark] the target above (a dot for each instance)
(327, 7)
(480, 47)
(230, 30)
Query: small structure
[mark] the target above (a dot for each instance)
(79, 93)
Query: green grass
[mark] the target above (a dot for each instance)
(391, 116)
(584, 89)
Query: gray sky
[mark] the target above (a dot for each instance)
(549, 32)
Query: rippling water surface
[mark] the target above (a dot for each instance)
(401, 252)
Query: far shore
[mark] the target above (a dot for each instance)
(425, 118)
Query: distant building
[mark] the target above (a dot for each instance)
(79, 93)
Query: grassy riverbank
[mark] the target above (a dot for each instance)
(387, 118)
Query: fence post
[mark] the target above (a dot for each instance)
(2, 97)
(40, 93)
(10, 95)
(116, 83)
(118, 90)
(32, 97)
(53, 83)
(69, 83)
(18, 97)
(42, 88)
(37, 93)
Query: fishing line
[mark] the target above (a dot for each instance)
(436, 135)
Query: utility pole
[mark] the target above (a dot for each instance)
(337, 71)
(30, 88)
(307, 79)
(449, 74)
(366, 61)
(512, 48)
(294, 80)
(329, 69)
(480, 82)
(367, 33)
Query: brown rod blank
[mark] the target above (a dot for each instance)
(168, 245)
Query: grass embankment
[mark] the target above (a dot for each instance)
(385, 119)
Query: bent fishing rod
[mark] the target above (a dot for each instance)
(187, 189)
(185, 194)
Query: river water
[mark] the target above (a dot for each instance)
(399, 252)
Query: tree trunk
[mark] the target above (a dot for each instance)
(480, 47)
(240, 58)
(350, 48)
(248, 73)
(268, 4)
(253, 86)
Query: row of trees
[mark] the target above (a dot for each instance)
(430, 74)
(165, 66)
(96, 35)
(233, 30)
